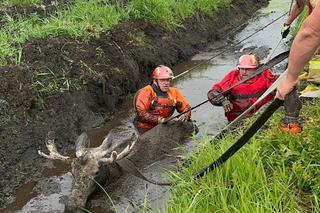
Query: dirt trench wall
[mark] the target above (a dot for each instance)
(101, 72)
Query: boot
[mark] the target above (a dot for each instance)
(290, 126)
(292, 106)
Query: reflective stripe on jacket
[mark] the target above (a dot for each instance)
(244, 95)
(149, 106)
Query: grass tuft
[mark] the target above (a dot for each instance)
(275, 172)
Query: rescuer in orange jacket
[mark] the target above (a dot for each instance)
(240, 98)
(156, 102)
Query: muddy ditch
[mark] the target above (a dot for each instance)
(91, 80)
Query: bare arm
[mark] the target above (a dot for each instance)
(295, 12)
(303, 47)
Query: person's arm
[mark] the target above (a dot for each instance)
(225, 83)
(269, 77)
(183, 105)
(214, 94)
(295, 12)
(303, 47)
(143, 105)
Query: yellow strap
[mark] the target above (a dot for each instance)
(314, 64)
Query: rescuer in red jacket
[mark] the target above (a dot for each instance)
(243, 96)
(157, 102)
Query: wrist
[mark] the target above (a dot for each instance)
(292, 80)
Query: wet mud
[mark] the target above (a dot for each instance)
(103, 71)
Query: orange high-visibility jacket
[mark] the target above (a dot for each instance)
(149, 106)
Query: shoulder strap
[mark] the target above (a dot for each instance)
(154, 95)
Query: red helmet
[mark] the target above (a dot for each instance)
(248, 61)
(162, 72)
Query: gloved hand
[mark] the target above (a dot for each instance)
(285, 30)
(227, 105)
(215, 98)
(184, 117)
(161, 120)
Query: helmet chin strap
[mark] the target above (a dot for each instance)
(157, 84)
(157, 89)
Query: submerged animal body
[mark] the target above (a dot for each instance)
(93, 166)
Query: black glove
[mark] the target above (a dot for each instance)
(285, 30)
(227, 105)
(215, 98)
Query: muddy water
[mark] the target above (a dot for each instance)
(49, 193)
(195, 85)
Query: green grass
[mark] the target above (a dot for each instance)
(87, 19)
(83, 19)
(171, 13)
(275, 172)
(21, 2)
(46, 82)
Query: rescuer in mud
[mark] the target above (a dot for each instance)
(240, 98)
(303, 47)
(156, 103)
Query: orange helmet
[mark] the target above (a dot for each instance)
(248, 61)
(162, 72)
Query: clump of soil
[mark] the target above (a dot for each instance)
(18, 90)
(100, 73)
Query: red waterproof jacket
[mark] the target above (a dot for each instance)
(244, 95)
(149, 106)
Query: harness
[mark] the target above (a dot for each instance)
(162, 101)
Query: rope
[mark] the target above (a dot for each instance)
(227, 47)
(274, 49)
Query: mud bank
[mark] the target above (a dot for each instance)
(95, 76)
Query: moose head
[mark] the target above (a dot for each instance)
(99, 164)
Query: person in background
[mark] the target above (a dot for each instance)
(295, 12)
(312, 69)
(240, 98)
(155, 103)
(303, 48)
